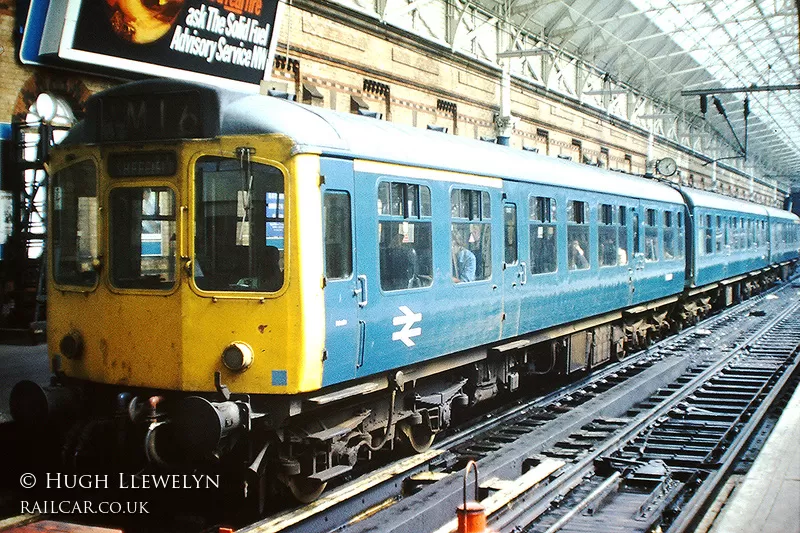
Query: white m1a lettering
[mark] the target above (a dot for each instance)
(136, 120)
(188, 123)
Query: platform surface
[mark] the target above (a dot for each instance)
(768, 499)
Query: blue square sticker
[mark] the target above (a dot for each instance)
(280, 378)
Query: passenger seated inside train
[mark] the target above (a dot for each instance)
(464, 264)
(577, 257)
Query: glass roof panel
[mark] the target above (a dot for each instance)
(741, 44)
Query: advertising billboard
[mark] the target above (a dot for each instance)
(228, 41)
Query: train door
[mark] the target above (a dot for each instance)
(636, 264)
(394, 229)
(343, 291)
(515, 275)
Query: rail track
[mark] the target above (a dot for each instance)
(622, 422)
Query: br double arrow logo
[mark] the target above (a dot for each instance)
(407, 319)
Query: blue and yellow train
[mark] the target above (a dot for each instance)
(283, 289)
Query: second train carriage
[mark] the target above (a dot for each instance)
(324, 284)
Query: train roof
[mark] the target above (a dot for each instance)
(317, 130)
(712, 200)
(785, 215)
(328, 132)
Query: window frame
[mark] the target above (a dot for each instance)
(111, 232)
(543, 213)
(411, 211)
(578, 217)
(328, 194)
(478, 213)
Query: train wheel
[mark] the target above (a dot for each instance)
(304, 489)
(419, 437)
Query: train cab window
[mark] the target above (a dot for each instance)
(510, 231)
(670, 236)
(578, 251)
(338, 236)
(74, 225)
(471, 235)
(404, 236)
(608, 236)
(543, 231)
(650, 236)
(142, 238)
(239, 225)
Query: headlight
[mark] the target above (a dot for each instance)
(238, 356)
(71, 345)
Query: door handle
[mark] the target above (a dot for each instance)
(523, 273)
(361, 291)
(362, 339)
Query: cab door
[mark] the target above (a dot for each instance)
(343, 291)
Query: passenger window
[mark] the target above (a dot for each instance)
(720, 234)
(622, 251)
(543, 235)
(637, 248)
(680, 243)
(404, 236)
(709, 238)
(338, 235)
(510, 219)
(650, 236)
(471, 235)
(670, 236)
(607, 234)
(742, 235)
(578, 235)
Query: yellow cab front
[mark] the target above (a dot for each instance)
(171, 262)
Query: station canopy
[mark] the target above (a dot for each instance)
(664, 48)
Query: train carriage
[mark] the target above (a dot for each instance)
(784, 235)
(252, 281)
(730, 237)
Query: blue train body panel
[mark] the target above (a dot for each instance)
(378, 329)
